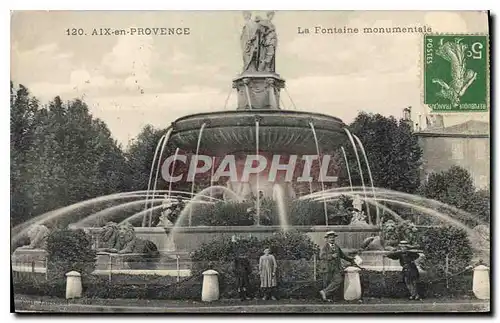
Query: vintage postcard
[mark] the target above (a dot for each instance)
(250, 162)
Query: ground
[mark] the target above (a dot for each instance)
(370, 305)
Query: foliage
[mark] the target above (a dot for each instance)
(373, 283)
(480, 205)
(139, 156)
(290, 245)
(392, 150)
(439, 242)
(300, 212)
(293, 252)
(455, 187)
(60, 155)
(222, 214)
(70, 250)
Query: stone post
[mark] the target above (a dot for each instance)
(481, 282)
(352, 284)
(73, 285)
(210, 288)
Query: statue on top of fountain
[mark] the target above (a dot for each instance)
(258, 43)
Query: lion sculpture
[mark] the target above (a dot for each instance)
(387, 241)
(38, 237)
(121, 239)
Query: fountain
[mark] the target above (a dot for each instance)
(258, 127)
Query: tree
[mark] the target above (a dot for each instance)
(392, 150)
(455, 187)
(24, 110)
(61, 155)
(139, 157)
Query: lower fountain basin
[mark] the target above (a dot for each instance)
(280, 131)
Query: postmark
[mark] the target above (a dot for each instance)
(456, 72)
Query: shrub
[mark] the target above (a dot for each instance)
(293, 252)
(222, 214)
(480, 205)
(70, 250)
(299, 212)
(438, 242)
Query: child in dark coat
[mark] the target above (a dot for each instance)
(242, 271)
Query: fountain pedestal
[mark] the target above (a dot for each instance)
(258, 91)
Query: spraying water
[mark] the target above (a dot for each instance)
(103, 214)
(158, 145)
(141, 213)
(188, 209)
(347, 167)
(447, 213)
(196, 163)
(20, 230)
(257, 207)
(279, 197)
(360, 144)
(167, 137)
(173, 170)
(321, 177)
(360, 169)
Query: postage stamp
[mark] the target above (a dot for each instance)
(456, 72)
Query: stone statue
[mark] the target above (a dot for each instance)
(358, 218)
(390, 235)
(38, 237)
(408, 231)
(172, 210)
(258, 43)
(250, 39)
(268, 43)
(357, 203)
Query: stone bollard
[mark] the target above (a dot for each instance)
(73, 285)
(352, 284)
(210, 289)
(481, 282)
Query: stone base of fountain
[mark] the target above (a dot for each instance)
(188, 239)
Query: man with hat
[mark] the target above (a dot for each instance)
(407, 257)
(332, 256)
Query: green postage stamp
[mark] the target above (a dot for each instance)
(456, 72)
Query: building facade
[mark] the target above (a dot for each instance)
(466, 145)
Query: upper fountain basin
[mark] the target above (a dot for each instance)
(280, 131)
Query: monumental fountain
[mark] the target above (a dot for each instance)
(261, 128)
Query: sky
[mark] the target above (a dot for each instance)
(131, 81)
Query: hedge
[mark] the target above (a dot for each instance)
(69, 250)
(154, 287)
(300, 212)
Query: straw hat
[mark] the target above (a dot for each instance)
(404, 243)
(331, 233)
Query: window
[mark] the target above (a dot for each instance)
(457, 150)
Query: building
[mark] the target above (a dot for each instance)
(466, 145)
